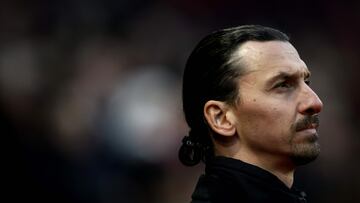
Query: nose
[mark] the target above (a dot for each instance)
(310, 103)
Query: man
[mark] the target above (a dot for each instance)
(252, 115)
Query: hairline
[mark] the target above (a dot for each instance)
(237, 63)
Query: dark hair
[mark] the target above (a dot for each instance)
(211, 73)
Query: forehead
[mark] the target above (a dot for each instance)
(269, 57)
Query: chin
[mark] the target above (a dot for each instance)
(305, 153)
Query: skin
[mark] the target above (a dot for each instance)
(274, 96)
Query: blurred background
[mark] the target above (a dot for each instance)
(90, 94)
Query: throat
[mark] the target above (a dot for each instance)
(286, 178)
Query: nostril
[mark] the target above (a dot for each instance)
(310, 111)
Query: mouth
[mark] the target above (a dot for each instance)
(307, 135)
(308, 132)
(311, 126)
(310, 123)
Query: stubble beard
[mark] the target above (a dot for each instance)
(303, 153)
(308, 150)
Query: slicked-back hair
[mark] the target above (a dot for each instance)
(211, 73)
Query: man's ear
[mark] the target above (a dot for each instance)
(220, 117)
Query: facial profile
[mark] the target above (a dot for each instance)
(277, 112)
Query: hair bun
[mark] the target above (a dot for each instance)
(190, 152)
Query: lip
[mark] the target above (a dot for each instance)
(309, 131)
(309, 134)
(312, 127)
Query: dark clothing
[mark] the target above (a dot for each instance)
(229, 180)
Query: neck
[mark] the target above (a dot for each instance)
(286, 176)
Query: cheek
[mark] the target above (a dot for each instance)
(263, 120)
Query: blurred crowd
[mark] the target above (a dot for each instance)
(90, 94)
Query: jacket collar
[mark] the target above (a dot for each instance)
(236, 168)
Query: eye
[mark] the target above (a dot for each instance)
(283, 85)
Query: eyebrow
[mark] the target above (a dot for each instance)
(287, 75)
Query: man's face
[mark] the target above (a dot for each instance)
(277, 111)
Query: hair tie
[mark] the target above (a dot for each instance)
(190, 152)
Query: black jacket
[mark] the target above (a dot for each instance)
(229, 180)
